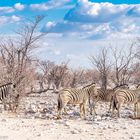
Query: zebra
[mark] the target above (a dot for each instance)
(122, 96)
(105, 96)
(76, 96)
(8, 92)
(138, 86)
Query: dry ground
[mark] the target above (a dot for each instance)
(32, 124)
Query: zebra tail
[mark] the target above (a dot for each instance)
(59, 103)
(115, 104)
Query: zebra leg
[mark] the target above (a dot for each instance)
(135, 109)
(15, 106)
(119, 106)
(110, 107)
(114, 105)
(111, 104)
(60, 107)
(65, 111)
(59, 113)
(113, 108)
(5, 107)
(81, 110)
(92, 108)
(84, 110)
(60, 110)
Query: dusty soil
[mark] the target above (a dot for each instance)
(36, 120)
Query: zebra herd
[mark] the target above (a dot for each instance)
(117, 97)
(89, 94)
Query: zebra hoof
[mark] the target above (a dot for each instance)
(58, 118)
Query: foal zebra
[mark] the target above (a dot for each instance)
(122, 96)
(8, 91)
(76, 96)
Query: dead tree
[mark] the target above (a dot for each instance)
(45, 67)
(76, 77)
(53, 74)
(122, 66)
(16, 54)
(102, 64)
(58, 74)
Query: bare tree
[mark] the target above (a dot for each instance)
(136, 73)
(46, 67)
(53, 74)
(58, 74)
(122, 66)
(76, 77)
(138, 48)
(16, 54)
(102, 63)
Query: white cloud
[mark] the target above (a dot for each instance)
(9, 19)
(98, 20)
(6, 9)
(15, 18)
(19, 6)
(86, 11)
(77, 50)
(3, 20)
(49, 5)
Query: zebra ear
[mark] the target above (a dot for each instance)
(17, 96)
(138, 86)
(93, 83)
(14, 85)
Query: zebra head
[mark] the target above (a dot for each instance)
(92, 89)
(14, 91)
(138, 86)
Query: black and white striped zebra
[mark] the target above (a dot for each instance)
(76, 96)
(123, 96)
(8, 92)
(105, 96)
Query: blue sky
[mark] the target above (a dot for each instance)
(77, 28)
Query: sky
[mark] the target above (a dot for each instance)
(76, 29)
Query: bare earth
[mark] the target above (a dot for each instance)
(33, 124)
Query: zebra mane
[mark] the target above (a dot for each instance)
(138, 86)
(88, 85)
(5, 84)
(121, 85)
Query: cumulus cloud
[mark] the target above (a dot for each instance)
(6, 9)
(86, 11)
(49, 5)
(19, 6)
(3, 20)
(15, 18)
(98, 20)
(61, 27)
(9, 19)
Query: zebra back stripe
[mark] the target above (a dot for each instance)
(5, 90)
(126, 95)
